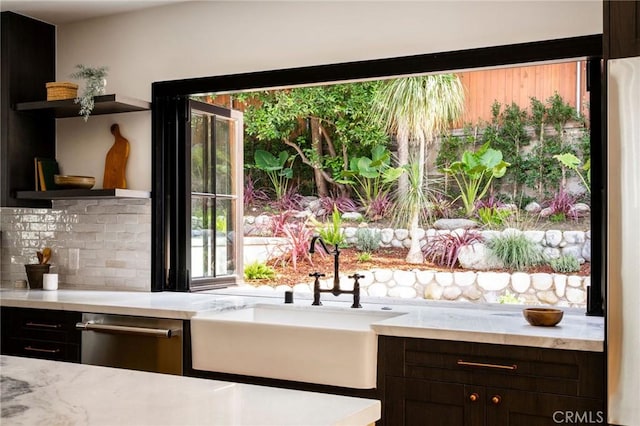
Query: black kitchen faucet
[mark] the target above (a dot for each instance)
(336, 290)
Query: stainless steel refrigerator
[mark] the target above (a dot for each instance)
(623, 248)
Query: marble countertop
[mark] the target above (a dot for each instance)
(498, 324)
(166, 304)
(49, 392)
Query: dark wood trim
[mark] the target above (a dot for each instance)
(585, 46)
(621, 28)
(596, 85)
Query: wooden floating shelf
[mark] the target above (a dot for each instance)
(105, 104)
(82, 194)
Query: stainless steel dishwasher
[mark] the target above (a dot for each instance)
(137, 343)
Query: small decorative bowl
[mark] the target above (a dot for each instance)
(544, 317)
(81, 182)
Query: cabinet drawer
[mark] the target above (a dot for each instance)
(43, 349)
(562, 372)
(38, 324)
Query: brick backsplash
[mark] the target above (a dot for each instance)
(112, 238)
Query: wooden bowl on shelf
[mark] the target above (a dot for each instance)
(77, 182)
(544, 317)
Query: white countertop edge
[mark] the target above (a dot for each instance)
(44, 390)
(490, 337)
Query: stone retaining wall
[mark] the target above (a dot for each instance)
(554, 243)
(468, 286)
(472, 285)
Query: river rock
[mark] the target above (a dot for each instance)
(574, 237)
(493, 281)
(472, 293)
(533, 207)
(520, 282)
(433, 291)
(403, 292)
(386, 235)
(452, 224)
(451, 293)
(352, 216)
(477, 256)
(553, 238)
(541, 281)
(401, 234)
(444, 278)
(464, 279)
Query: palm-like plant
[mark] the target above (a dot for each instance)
(416, 110)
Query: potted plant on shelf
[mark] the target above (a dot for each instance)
(35, 271)
(95, 82)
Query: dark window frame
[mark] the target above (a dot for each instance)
(169, 115)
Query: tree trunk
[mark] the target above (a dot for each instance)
(403, 160)
(415, 253)
(316, 144)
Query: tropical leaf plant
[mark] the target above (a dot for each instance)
(474, 172)
(276, 169)
(371, 177)
(573, 163)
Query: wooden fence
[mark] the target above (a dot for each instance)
(505, 85)
(519, 84)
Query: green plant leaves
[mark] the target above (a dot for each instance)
(268, 162)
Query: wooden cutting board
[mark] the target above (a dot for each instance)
(116, 162)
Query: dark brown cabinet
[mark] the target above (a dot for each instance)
(40, 333)
(452, 383)
(621, 29)
(28, 63)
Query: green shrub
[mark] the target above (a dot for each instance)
(258, 271)
(367, 240)
(493, 216)
(516, 251)
(331, 232)
(557, 217)
(565, 264)
(364, 256)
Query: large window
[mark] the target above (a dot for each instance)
(170, 114)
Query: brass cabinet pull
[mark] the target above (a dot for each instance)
(474, 397)
(41, 325)
(496, 399)
(49, 351)
(483, 365)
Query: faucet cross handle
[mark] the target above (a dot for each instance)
(316, 288)
(356, 276)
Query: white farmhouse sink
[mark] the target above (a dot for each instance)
(314, 344)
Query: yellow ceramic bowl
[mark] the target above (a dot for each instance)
(83, 182)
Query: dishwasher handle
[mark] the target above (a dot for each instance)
(163, 333)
